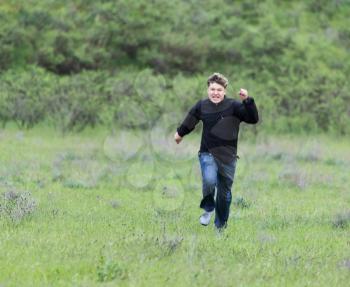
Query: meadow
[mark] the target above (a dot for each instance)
(121, 209)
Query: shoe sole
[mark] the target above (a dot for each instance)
(204, 224)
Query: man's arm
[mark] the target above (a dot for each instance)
(247, 111)
(189, 123)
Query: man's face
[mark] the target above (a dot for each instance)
(216, 93)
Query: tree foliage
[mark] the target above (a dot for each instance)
(293, 55)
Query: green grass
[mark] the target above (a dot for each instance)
(122, 210)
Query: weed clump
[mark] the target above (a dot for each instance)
(168, 244)
(75, 171)
(345, 263)
(109, 270)
(241, 202)
(15, 205)
(114, 203)
(294, 177)
(342, 220)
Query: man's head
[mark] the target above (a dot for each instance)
(217, 85)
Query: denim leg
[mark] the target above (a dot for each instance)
(224, 197)
(209, 170)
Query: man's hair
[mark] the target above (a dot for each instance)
(219, 79)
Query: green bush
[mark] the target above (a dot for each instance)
(23, 96)
(75, 102)
(128, 62)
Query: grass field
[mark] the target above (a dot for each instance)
(95, 209)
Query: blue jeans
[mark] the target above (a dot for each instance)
(216, 174)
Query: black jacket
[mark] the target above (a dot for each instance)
(220, 125)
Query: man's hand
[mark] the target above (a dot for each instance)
(177, 138)
(243, 94)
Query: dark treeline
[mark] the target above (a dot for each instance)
(78, 63)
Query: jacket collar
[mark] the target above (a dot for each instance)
(218, 104)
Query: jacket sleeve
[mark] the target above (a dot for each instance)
(248, 112)
(190, 121)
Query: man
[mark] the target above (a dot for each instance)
(221, 118)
